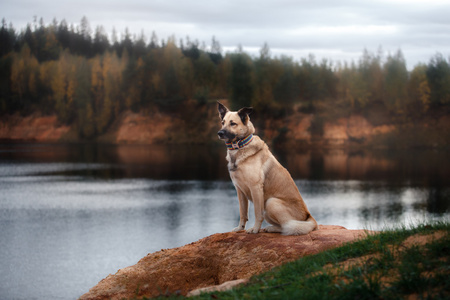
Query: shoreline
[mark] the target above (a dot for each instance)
(295, 132)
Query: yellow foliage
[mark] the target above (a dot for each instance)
(424, 94)
(419, 87)
(24, 70)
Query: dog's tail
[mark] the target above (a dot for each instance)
(294, 227)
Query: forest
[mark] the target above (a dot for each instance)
(87, 78)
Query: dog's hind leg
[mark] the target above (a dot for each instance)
(284, 221)
(272, 229)
(270, 216)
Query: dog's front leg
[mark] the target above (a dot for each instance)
(258, 203)
(243, 210)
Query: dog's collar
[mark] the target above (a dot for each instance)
(240, 144)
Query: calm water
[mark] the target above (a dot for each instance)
(72, 214)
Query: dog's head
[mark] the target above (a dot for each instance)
(236, 125)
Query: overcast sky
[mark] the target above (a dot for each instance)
(338, 30)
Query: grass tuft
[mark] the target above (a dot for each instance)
(407, 262)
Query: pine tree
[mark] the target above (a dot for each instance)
(241, 80)
(395, 83)
(438, 74)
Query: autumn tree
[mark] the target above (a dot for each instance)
(85, 80)
(419, 90)
(133, 83)
(361, 84)
(85, 120)
(61, 81)
(355, 89)
(24, 75)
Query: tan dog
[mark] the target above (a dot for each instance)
(260, 178)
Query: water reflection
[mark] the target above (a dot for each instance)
(72, 214)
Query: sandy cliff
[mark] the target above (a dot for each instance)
(223, 258)
(295, 130)
(34, 127)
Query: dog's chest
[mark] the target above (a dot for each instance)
(239, 181)
(233, 159)
(236, 159)
(245, 171)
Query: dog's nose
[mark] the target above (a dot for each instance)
(221, 133)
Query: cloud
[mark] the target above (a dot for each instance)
(338, 29)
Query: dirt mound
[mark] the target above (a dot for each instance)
(215, 260)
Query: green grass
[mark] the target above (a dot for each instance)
(381, 266)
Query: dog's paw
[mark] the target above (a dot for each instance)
(252, 230)
(239, 228)
(271, 229)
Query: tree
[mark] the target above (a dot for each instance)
(51, 49)
(310, 84)
(63, 34)
(419, 89)
(24, 73)
(395, 83)
(113, 83)
(139, 48)
(105, 71)
(192, 51)
(216, 51)
(7, 39)
(359, 84)
(285, 91)
(438, 74)
(153, 41)
(133, 83)
(126, 44)
(241, 80)
(85, 120)
(101, 43)
(59, 79)
(60, 69)
(371, 73)
(85, 29)
(205, 77)
(267, 72)
(354, 89)
(171, 71)
(6, 105)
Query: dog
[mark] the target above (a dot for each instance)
(260, 178)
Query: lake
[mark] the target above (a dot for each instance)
(72, 214)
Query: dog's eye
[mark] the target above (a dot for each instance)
(233, 124)
(223, 122)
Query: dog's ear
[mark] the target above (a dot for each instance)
(222, 109)
(243, 114)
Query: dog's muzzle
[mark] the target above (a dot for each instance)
(221, 134)
(226, 135)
